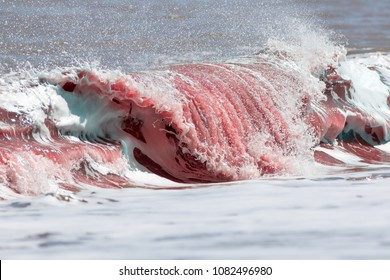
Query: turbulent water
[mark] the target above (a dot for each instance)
(222, 129)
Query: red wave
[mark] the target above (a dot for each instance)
(209, 122)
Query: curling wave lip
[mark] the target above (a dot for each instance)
(214, 122)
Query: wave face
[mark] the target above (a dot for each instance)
(200, 122)
(261, 115)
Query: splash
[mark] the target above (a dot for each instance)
(274, 113)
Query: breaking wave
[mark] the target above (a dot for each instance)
(288, 110)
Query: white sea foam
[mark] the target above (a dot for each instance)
(371, 88)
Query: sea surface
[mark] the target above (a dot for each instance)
(338, 214)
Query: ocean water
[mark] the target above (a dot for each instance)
(333, 213)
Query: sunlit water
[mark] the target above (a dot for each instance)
(343, 215)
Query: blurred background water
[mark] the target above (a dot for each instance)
(141, 34)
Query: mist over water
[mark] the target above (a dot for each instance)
(143, 34)
(343, 214)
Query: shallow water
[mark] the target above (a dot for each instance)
(339, 216)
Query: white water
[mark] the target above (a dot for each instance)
(339, 217)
